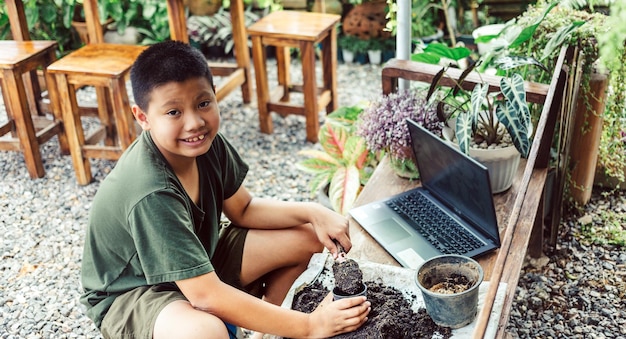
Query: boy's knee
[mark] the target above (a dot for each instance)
(183, 321)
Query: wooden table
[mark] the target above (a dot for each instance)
(384, 182)
(519, 210)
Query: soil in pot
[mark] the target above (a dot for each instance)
(348, 277)
(456, 283)
(391, 315)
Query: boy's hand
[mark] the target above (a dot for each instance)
(331, 318)
(332, 230)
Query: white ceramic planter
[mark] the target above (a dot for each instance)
(348, 56)
(502, 163)
(375, 56)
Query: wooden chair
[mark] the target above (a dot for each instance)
(27, 123)
(522, 232)
(106, 67)
(303, 30)
(234, 74)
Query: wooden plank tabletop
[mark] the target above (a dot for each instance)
(384, 182)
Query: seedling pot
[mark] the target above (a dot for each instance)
(337, 294)
(450, 309)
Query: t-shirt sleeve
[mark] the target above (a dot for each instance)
(167, 247)
(235, 168)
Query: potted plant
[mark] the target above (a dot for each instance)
(494, 128)
(351, 46)
(213, 34)
(374, 50)
(344, 164)
(383, 126)
(555, 25)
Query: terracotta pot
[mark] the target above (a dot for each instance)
(204, 7)
(81, 29)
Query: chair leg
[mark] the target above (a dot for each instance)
(53, 95)
(242, 53)
(73, 129)
(265, 120)
(105, 109)
(311, 107)
(126, 132)
(283, 61)
(329, 69)
(18, 106)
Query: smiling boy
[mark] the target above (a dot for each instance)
(156, 263)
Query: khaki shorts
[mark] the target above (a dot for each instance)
(133, 314)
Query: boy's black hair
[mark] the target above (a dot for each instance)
(166, 62)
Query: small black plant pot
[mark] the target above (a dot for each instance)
(449, 286)
(338, 294)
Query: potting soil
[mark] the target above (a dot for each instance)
(391, 315)
(348, 276)
(398, 282)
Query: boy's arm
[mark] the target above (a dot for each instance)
(245, 211)
(209, 294)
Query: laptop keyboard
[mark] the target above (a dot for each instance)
(434, 225)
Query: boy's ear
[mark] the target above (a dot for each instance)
(141, 117)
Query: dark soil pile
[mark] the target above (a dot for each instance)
(348, 277)
(391, 315)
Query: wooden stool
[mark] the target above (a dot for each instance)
(27, 123)
(106, 67)
(233, 74)
(302, 30)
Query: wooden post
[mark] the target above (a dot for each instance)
(586, 141)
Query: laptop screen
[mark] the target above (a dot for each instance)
(455, 179)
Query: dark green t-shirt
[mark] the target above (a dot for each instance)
(143, 227)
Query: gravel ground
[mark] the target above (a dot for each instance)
(577, 292)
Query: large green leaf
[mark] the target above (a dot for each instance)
(464, 129)
(528, 32)
(443, 50)
(478, 99)
(515, 114)
(344, 188)
(317, 162)
(559, 38)
(514, 61)
(333, 137)
(427, 58)
(356, 151)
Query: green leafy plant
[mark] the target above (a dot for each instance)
(216, 30)
(344, 163)
(374, 44)
(601, 39)
(46, 20)
(352, 43)
(483, 117)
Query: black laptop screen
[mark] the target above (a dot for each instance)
(455, 179)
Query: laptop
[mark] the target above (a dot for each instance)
(451, 213)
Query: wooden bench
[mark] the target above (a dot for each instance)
(518, 209)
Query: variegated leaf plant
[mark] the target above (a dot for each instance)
(344, 164)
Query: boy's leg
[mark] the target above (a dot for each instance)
(158, 311)
(179, 319)
(277, 258)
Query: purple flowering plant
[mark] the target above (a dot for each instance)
(383, 123)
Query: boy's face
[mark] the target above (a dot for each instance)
(183, 119)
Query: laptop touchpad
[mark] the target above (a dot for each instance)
(389, 231)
